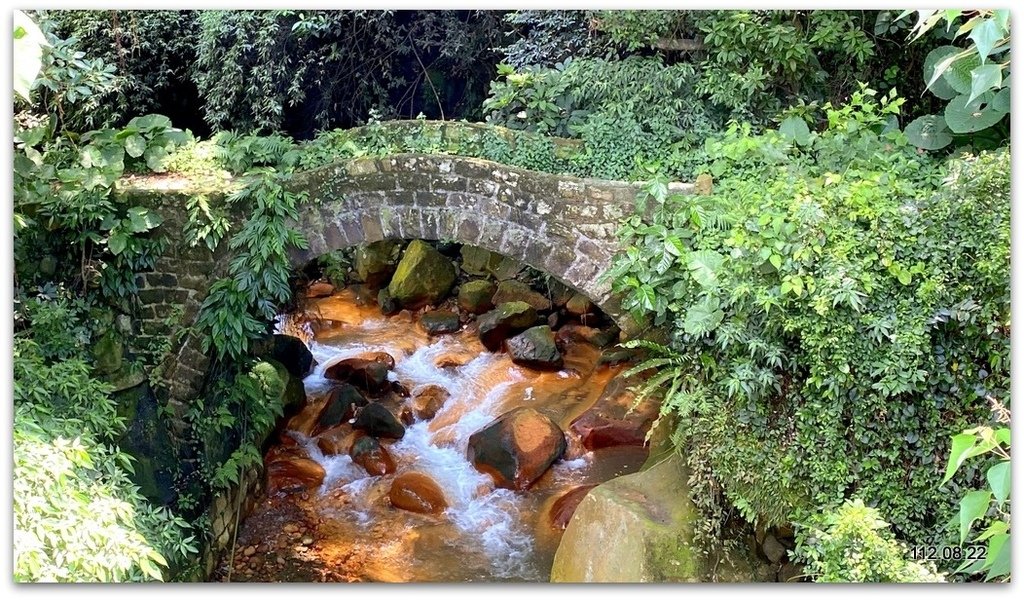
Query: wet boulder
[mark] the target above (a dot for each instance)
(368, 372)
(517, 291)
(288, 350)
(319, 289)
(535, 348)
(338, 440)
(590, 335)
(424, 276)
(378, 421)
(370, 455)
(289, 470)
(418, 493)
(436, 322)
(612, 420)
(517, 448)
(579, 305)
(475, 296)
(564, 507)
(507, 319)
(427, 400)
(341, 406)
(387, 303)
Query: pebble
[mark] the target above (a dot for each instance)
(250, 551)
(291, 528)
(307, 540)
(280, 560)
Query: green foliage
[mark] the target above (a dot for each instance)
(28, 54)
(545, 38)
(975, 79)
(990, 505)
(69, 477)
(833, 296)
(854, 544)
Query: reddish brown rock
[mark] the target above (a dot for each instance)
(427, 400)
(610, 422)
(565, 506)
(579, 305)
(370, 455)
(368, 372)
(338, 440)
(517, 448)
(590, 335)
(289, 470)
(319, 289)
(417, 493)
(452, 360)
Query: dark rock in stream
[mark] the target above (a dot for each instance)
(427, 400)
(436, 322)
(378, 421)
(591, 335)
(387, 303)
(507, 319)
(612, 420)
(340, 406)
(563, 508)
(417, 493)
(517, 448)
(535, 348)
(288, 350)
(368, 372)
(370, 455)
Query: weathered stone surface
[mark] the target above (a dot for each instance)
(424, 276)
(564, 507)
(610, 422)
(341, 405)
(475, 296)
(319, 289)
(477, 261)
(579, 305)
(108, 353)
(591, 335)
(773, 549)
(368, 372)
(436, 322)
(338, 440)
(427, 400)
(516, 448)
(290, 351)
(639, 528)
(505, 320)
(517, 291)
(375, 263)
(387, 303)
(417, 493)
(378, 421)
(370, 455)
(535, 348)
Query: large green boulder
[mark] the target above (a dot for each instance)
(535, 348)
(639, 528)
(424, 276)
(517, 291)
(505, 320)
(475, 296)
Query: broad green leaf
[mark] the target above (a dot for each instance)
(985, 78)
(985, 37)
(959, 452)
(904, 277)
(155, 157)
(1001, 101)
(703, 317)
(963, 116)
(995, 528)
(135, 146)
(28, 53)
(150, 122)
(1002, 436)
(958, 74)
(998, 477)
(998, 559)
(1002, 18)
(703, 266)
(973, 506)
(943, 64)
(776, 261)
(117, 243)
(647, 297)
(674, 245)
(795, 128)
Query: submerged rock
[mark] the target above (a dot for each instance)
(475, 296)
(289, 470)
(427, 400)
(517, 448)
(370, 455)
(340, 406)
(338, 440)
(591, 335)
(417, 493)
(612, 420)
(424, 276)
(563, 508)
(378, 421)
(507, 319)
(535, 348)
(319, 289)
(517, 291)
(387, 303)
(436, 322)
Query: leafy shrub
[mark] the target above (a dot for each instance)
(841, 298)
(544, 38)
(854, 544)
(77, 515)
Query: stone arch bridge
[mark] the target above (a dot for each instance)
(561, 225)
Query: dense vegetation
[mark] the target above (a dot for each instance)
(825, 324)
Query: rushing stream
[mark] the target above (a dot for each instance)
(348, 530)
